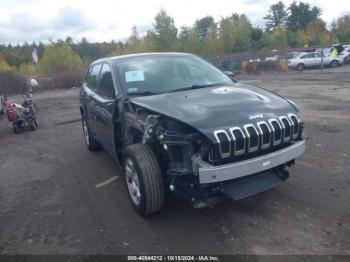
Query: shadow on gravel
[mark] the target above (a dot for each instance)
(68, 122)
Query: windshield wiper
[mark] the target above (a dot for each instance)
(145, 93)
(149, 93)
(196, 87)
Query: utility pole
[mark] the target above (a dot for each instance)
(322, 59)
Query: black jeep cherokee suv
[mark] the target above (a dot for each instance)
(179, 125)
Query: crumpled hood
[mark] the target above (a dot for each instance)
(213, 108)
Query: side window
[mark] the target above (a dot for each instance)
(308, 56)
(106, 86)
(87, 76)
(92, 77)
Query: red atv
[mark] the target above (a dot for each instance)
(19, 115)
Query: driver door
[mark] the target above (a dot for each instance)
(308, 59)
(106, 109)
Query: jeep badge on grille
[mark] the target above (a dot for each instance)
(255, 116)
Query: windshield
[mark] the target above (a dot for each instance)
(154, 75)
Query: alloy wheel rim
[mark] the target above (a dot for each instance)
(132, 181)
(86, 132)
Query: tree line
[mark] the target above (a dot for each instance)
(296, 25)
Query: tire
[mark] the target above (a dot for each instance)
(16, 129)
(32, 125)
(36, 121)
(36, 115)
(90, 141)
(334, 63)
(36, 108)
(300, 67)
(143, 179)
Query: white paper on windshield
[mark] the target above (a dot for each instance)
(132, 89)
(134, 76)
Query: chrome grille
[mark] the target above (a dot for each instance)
(286, 125)
(224, 142)
(238, 140)
(265, 132)
(296, 123)
(254, 137)
(276, 131)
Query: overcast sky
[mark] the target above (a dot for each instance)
(104, 20)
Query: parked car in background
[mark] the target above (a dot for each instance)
(326, 51)
(345, 55)
(313, 60)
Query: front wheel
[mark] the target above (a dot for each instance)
(334, 63)
(300, 67)
(143, 178)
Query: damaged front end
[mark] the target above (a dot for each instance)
(187, 152)
(193, 169)
(178, 144)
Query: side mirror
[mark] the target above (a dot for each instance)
(229, 74)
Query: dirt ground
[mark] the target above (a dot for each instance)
(49, 203)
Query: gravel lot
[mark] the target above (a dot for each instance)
(49, 203)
